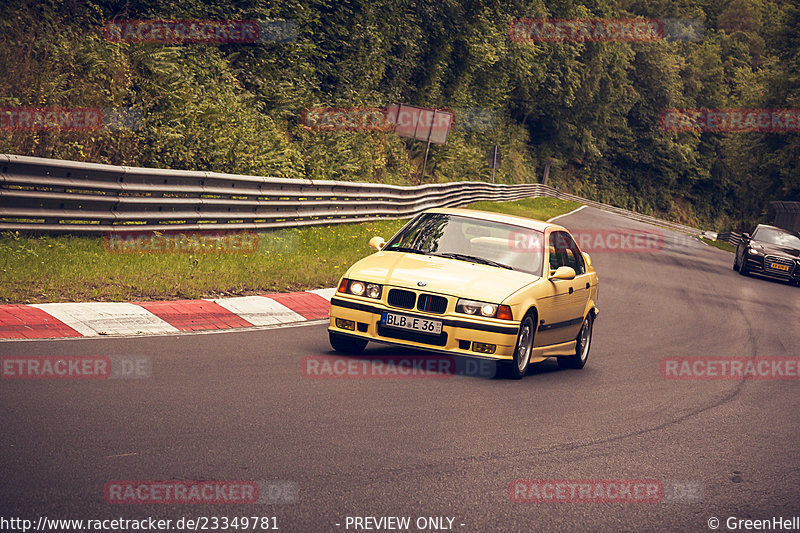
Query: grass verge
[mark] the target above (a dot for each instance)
(72, 269)
(722, 245)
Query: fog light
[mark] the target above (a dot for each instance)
(483, 347)
(345, 324)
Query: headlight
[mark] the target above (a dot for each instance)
(468, 306)
(357, 288)
(373, 291)
(754, 251)
(471, 307)
(360, 288)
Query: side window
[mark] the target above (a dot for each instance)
(564, 252)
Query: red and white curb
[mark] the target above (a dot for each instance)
(90, 319)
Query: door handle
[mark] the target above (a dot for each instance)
(570, 290)
(587, 285)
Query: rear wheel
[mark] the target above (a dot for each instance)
(344, 344)
(584, 342)
(522, 353)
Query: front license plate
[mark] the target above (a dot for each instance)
(778, 266)
(414, 323)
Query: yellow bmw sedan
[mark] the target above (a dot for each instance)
(471, 283)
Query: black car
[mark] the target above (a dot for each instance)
(770, 251)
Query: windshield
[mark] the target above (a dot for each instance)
(470, 239)
(779, 237)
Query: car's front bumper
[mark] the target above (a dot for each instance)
(760, 264)
(460, 333)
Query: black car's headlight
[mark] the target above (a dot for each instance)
(489, 310)
(754, 251)
(361, 288)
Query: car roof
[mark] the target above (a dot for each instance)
(498, 217)
(773, 227)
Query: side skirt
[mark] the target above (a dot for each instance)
(543, 352)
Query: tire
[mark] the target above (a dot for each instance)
(736, 263)
(582, 346)
(345, 344)
(743, 268)
(524, 347)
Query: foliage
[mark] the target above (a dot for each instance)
(593, 107)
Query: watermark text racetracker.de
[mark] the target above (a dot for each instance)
(382, 119)
(196, 31)
(604, 491)
(203, 492)
(74, 119)
(731, 120)
(195, 523)
(79, 367)
(594, 241)
(395, 367)
(546, 30)
(190, 242)
(730, 368)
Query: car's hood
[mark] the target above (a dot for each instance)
(776, 249)
(440, 275)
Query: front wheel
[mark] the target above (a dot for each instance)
(743, 267)
(344, 344)
(584, 342)
(522, 353)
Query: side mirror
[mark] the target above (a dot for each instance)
(377, 243)
(587, 259)
(746, 236)
(563, 272)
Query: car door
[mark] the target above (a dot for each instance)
(561, 309)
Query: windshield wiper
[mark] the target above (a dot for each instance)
(407, 249)
(474, 259)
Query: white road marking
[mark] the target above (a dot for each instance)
(107, 318)
(566, 214)
(259, 310)
(325, 293)
(228, 331)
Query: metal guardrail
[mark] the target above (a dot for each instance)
(53, 196)
(731, 237)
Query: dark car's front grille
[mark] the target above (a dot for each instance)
(401, 298)
(432, 303)
(773, 259)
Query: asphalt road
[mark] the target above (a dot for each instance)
(235, 406)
